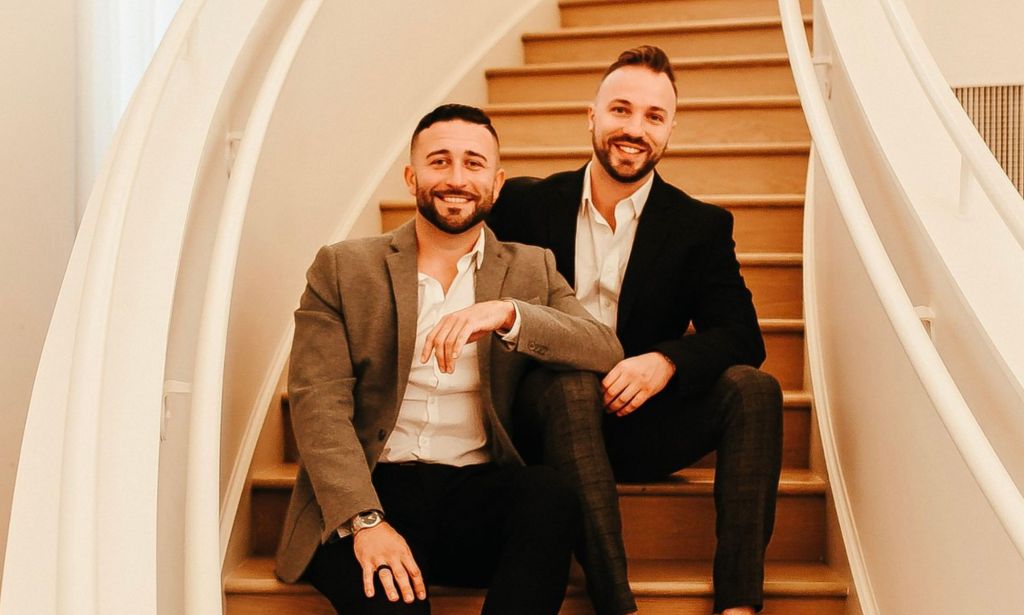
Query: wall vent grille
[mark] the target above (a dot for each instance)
(996, 112)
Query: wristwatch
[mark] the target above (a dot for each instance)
(365, 520)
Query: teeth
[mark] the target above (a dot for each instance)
(458, 200)
(630, 149)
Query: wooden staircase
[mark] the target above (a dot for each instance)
(740, 142)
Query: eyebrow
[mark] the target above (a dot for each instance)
(623, 101)
(469, 152)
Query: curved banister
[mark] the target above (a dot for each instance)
(973, 151)
(204, 544)
(77, 576)
(981, 459)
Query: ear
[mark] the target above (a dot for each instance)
(410, 179)
(499, 181)
(590, 117)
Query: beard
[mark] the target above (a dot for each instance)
(624, 173)
(452, 223)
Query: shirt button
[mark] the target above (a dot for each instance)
(433, 382)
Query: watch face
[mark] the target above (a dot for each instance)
(369, 519)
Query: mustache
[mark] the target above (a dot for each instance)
(637, 141)
(456, 193)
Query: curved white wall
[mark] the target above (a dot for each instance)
(922, 535)
(974, 43)
(37, 195)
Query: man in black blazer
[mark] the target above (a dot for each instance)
(650, 261)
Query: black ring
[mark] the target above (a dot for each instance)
(384, 567)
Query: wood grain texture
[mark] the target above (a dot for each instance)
(577, 13)
(754, 75)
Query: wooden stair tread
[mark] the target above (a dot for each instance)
(690, 481)
(255, 575)
(678, 64)
(678, 27)
(725, 102)
(710, 149)
(790, 399)
(781, 325)
(724, 200)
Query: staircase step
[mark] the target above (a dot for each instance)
(784, 344)
(654, 511)
(796, 433)
(711, 120)
(776, 281)
(611, 12)
(662, 587)
(763, 222)
(733, 168)
(683, 39)
(745, 75)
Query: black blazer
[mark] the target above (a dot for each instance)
(682, 270)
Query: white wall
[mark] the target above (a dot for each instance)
(37, 178)
(975, 42)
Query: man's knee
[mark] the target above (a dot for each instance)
(752, 393)
(554, 396)
(554, 385)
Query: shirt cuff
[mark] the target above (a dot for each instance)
(511, 338)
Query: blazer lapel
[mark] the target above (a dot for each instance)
(405, 287)
(651, 233)
(564, 210)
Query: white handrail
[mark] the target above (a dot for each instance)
(203, 550)
(992, 478)
(973, 150)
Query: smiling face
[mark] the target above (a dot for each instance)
(631, 120)
(453, 172)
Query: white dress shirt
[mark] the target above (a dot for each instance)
(602, 254)
(441, 418)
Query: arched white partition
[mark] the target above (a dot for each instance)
(921, 421)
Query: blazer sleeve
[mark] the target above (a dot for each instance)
(320, 392)
(727, 331)
(561, 333)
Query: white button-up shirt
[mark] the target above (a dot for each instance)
(602, 254)
(441, 419)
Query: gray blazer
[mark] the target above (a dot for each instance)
(355, 331)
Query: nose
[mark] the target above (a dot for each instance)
(456, 176)
(634, 126)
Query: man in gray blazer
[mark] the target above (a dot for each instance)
(407, 353)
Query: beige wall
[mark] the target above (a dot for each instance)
(975, 42)
(37, 150)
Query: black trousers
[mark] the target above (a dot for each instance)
(557, 422)
(741, 419)
(510, 529)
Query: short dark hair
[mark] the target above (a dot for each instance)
(451, 112)
(647, 56)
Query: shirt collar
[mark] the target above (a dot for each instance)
(637, 200)
(477, 253)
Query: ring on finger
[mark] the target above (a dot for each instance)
(382, 568)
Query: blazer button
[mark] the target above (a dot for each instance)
(381, 435)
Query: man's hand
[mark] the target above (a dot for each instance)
(381, 546)
(634, 380)
(457, 329)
